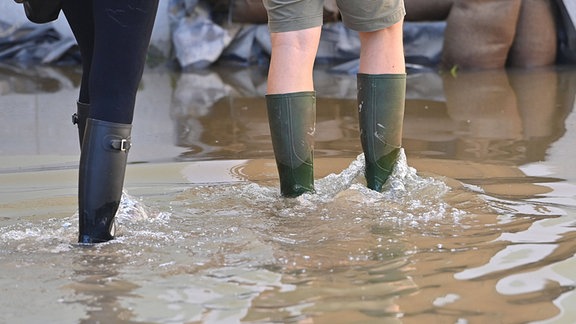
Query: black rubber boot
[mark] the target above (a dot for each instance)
(79, 118)
(101, 178)
(381, 100)
(292, 119)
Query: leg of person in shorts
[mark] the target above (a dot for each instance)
(295, 28)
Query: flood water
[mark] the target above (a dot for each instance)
(476, 225)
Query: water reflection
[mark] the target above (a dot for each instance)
(501, 116)
(99, 288)
(223, 114)
(477, 224)
(37, 79)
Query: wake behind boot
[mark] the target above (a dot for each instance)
(381, 112)
(79, 118)
(101, 178)
(292, 119)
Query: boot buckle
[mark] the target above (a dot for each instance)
(122, 145)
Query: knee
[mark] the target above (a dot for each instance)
(301, 40)
(388, 34)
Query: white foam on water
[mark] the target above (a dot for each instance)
(406, 195)
(59, 235)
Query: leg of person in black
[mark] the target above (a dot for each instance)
(80, 19)
(113, 36)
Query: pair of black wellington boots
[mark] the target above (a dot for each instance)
(292, 119)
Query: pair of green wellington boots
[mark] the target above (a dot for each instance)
(104, 150)
(292, 119)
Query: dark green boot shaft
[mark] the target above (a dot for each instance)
(381, 100)
(79, 118)
(292, 119)
(101, 178)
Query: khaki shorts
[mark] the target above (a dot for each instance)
(358, 15)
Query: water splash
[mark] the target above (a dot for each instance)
(132, 210)
(406, 197)
(223, 212)
(56, 234)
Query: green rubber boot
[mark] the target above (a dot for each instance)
(79, 118)
(101, 178)
(292, 119)
(381, 112)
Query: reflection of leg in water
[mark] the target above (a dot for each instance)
(292, 120)
(100, 288)
(381, 112)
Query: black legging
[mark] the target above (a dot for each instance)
(113, 37)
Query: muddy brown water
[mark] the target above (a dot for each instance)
(477, 224)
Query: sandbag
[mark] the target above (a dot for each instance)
(479, 33)
(535, 43)
(427, 10)
(248, 11)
